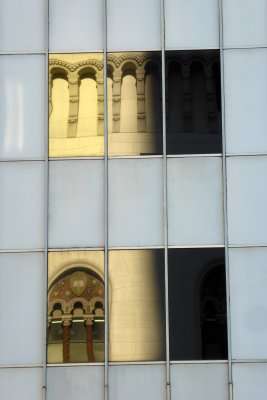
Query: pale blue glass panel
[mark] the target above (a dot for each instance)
(135, 202)
(199, 381)
(246, 100)
(248, 277)
(21, 308)
(191, 24)
(22, 25)
(22, 205)
(76, 202)
(244, 22)
(76, 26)
(22, 106)
(195, 201)
(81, 382)
(21, 383)
(140, 382)
(133, 25)
(247, 199)
(249, 381)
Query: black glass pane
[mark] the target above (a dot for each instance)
(193, 102)
(197, 304)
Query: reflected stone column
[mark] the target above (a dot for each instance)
(66, 341)
(116, 100)
(100, 103)
(50, 86)
(73, 104)
(140, 89)
(187, 104)
(211, 100)
(89, 340)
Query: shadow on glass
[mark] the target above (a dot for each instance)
(197, 304)
(193, 102)
(76, 321)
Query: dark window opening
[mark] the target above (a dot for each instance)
(197, 304)
(193, 103)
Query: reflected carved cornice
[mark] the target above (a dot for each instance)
(186, 57)
(137, 58)
(72, 67)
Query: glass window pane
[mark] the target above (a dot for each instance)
(241, 14)
(191, 24)
(197, 304)
(76, 203)
(133, 382)
(136, 305)
(76, 307)
(123, 18)
(76, 105)
(72, 382)
(135, 108)
(19, 32)
(22, 105)
(248, 277)
(21, 205)
(249, 381)
(21, 305)
(21, 383)
(199, 381)
(247, 199)
(195, 201)
(245, 81)
(193, 108)
(76, 26)
(135, 202)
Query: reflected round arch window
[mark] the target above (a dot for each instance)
(76, 318)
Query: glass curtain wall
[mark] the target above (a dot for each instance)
(151, 134)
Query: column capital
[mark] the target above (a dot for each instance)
(89, 322)
(66, 322)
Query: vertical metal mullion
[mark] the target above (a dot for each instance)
(165, 206)
(46, 194)
(224, 166)
(106, 206)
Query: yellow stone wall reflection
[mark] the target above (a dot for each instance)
(136, 299)
(76, 99)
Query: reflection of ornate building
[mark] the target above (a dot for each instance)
(76, 303)
(77, 104)
(136, 305)
(134, 103)
(76, 317)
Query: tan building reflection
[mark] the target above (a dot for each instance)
(76, 105)
(76, 99)
(76, 306)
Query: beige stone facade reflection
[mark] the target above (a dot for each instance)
(76, 104)
(137, 318)
(136, 299)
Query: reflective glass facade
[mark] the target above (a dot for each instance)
(133, 156)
